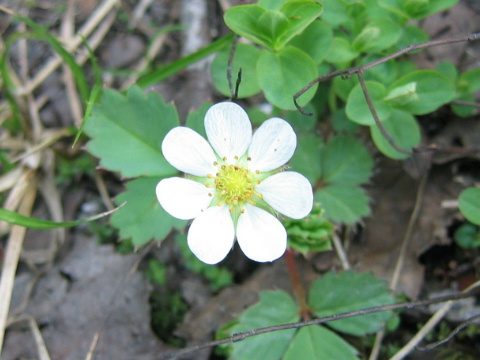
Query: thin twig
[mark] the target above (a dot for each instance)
(466, 103)
(451, 335)
(379, 124)
(229, 66)
(350, 71)
(337, 244)
(359, 70)
(244, 335)
(434, 320)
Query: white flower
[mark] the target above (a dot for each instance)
(234, 184)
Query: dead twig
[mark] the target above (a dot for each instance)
(359, 70)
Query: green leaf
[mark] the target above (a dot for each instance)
(411, 35)
(335, 13)
(274, 308)
(469, 204)
(448, 69)
(357, 108)
(348, 291)
(315, 40)
(467, 236)
(142, 218)
(402, 95)
(378, 35)
(306, 159)
(343, 203)
(343, 87)
(301, 123)
(469, 81)
(300, 14)
(419, 9)
(318, 343)
(341, 51)
(245, 58)
(345, 160)
(196, 119)
(433, 90)
(281, 75)
(271, 4)
(272, 28)
(403, 129)
(127, 132)
(15, 218)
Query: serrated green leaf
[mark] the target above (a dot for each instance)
(403, 128)
(357, 108)
(315, 40)
(348, 291)
(433, 90)
(245, 57)
(274, 308)
(127, 132)
(345, 160)
(142, 218)
(318, 343)
(343, 203)
(306, 159)
(196, 119)
(469, 204)
(282, 74)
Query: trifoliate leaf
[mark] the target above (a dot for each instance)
(345, 160)
(469, 204)
(343, 203)
(318, 343)
(274, 308)
(312, 233)
(142, 218)
(127, 132)
(348, 291)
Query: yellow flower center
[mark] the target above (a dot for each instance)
(234, 185)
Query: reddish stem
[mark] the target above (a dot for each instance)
(297, 285)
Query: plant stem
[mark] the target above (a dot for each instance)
(297, 285)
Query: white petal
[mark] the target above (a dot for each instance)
(273, 144)
(183, 198)
(260, 235)
(211, 235)
(289, 193)
(189, 152)
(228, 130)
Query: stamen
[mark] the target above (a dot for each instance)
(219, 204)
(249, 158)
(209, 176)
(253, 203)
(224, 158)
(215, 163)
(210, 194)
(242, 211)
(207, 185)
(236, 157)
(257, 171)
